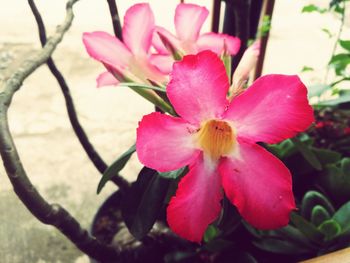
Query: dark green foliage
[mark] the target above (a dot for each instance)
(141, 204)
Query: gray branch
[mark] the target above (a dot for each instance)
(52, 214)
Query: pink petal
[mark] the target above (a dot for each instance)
(259, 185)
(189, 19)
(274, 108)
(164, 143)
(163, 62)
(107, 49)
(198, 87)
(197, 202)
(138, 28)
(216, 42)
(106, 79)
(158, 43)
(245, 66)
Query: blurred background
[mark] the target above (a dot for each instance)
(52, 155)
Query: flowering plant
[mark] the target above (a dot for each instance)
(214, 137)
(235, 167)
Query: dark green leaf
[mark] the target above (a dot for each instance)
(115, 168)
(336, 180)
(294, 235)
(312, 199)
(330, 229)
(141, 204)
(218, 245)
(210, 233)
(326, 156)
(283, 149)
(345, 44)
(174, 174)
(308, 229)
(246, 258)
(342, 216)
(307, 153)
(345, 166)
(318, 215)
(280, 246)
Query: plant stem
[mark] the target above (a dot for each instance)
(342, 22)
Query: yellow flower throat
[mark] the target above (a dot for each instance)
(216, 138)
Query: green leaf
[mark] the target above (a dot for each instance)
(342, 216)
(306, 68)
(336, 181)
(313, 8)
(340, 62)
(115, 167)
(280, 246)
(141, 86)
(345, 44)
(211, 233)
(308, 229)
(265, 26)
(326, 156)
(329, 33)
(174, 174)
(312, 199)
(335, 102)
(282, 149)
(330, 229)
(141, 203)
(345, 165)
(218, 245)
(317, 90)
(294, 235)
(307, 153)
(318, 215)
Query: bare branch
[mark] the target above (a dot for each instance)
(115, 18)
(51, 214)
(78, 129)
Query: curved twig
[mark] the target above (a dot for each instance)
(52, 214)
(95, 158)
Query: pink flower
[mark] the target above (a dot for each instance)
(189, 19)
(217, 140)
(129, 59)
(245, 66)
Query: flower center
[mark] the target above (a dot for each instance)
(216, 138)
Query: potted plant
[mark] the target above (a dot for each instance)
(234, 169)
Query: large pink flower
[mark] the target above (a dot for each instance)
(130, 58)
(217, 140)
(189, 19)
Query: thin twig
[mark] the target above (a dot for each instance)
(51, 214)
(113, 10)
(72, 114)
(342, 22)
(267, 10)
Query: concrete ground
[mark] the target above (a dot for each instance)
(51, 153)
